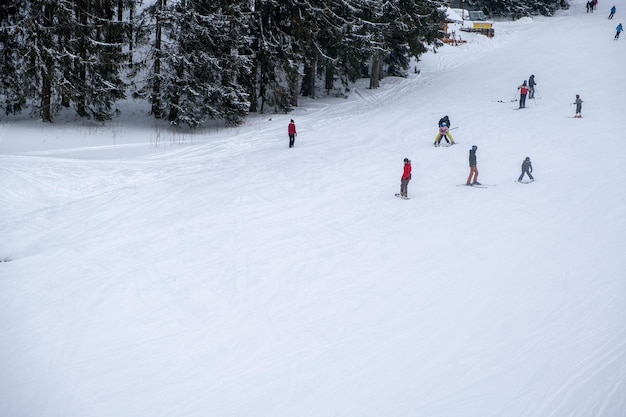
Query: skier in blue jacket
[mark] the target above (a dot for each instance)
(619, 30)
(613, 10)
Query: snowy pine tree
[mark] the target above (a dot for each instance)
(92, 57)
(12, 60)
(276, 61)
(63, 53)
(198, 71)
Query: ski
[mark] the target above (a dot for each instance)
(404, 198)
(473, 185)
(525, 182)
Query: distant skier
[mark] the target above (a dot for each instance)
(472, 179)
(404, 180)
(579, 105)
(445, 119)
(523, 92)
(589, 6)
(291, 130)
(531, 86)
(619, 30)
(527, 168)
(613, 10)
(444, 133)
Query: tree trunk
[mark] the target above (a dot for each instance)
(81, 70)
(252, 84)
(293, 86)
(329, 79)
(47, 71)
(156, 87)
(308, 81)
(375, 72)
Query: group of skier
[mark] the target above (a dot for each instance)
(472, 179)
(591, 5)
(619, 29)
(526, 90)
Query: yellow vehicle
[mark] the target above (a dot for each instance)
(477, 22)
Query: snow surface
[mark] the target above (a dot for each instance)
(219, 273)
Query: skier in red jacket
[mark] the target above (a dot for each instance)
(404, 181)
(523, 91)
(291, 130)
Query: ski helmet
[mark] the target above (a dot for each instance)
(527, 158)
(406, 160)
(474, 147)
(524, 82)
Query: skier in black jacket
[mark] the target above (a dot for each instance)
(527, 168)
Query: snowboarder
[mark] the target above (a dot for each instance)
(523, 91)
(613, 10)
(531, 86)
(579, 105)
(404, 180)
(527, 168)
(444, 133)
(445, 119)
(619, 30)
(473, 175)
(291, 130)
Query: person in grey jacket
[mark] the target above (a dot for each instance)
(531, 86)
(472, 179)
(527, 168)
(579, 105)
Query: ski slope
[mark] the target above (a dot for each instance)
(161, 273)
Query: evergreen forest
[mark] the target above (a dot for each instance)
(199, 60)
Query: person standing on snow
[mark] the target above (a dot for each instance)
(444, 133)
(531, 86)
(613, 10)
(523, 91)
(579, 105)
(404, 180)
(619, 30)
(527, 168)
(473, 175)
(291, 131)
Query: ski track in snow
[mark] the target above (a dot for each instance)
(225, 274)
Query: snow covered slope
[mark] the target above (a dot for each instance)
(221, 273)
